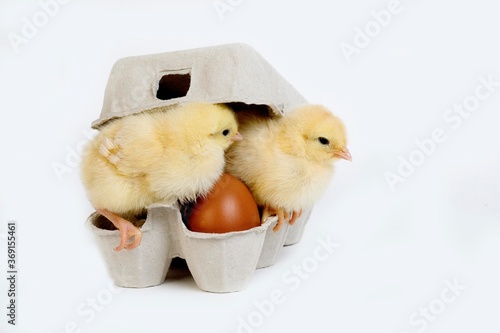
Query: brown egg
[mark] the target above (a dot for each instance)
(229, 206)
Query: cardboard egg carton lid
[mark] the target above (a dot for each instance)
(218, 74)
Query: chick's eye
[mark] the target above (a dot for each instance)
(225, 132)
(323, 141)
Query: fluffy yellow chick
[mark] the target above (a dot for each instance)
(287, 162)
(168, 154)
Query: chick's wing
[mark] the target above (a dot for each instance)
(133, 148)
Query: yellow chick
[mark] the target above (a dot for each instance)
(287, 162)
(166, 154)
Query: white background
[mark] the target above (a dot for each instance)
(398, 247)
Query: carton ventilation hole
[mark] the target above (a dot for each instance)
(173, 86)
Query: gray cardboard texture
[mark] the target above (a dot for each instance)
(219, 74)
(232, 73)
(218, 262)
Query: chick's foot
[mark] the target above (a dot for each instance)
(280, 212)
(127, 230)
(295, 216)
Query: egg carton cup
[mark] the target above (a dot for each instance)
(219, 263)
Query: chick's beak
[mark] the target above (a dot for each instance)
(344, 154)
(237, 137)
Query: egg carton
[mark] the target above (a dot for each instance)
(219, 263)
(234, 74)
